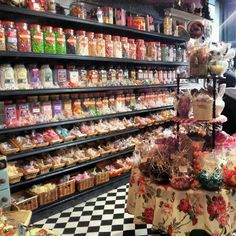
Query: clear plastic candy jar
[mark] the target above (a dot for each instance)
(101, 49)
(109, 45)
(78, 9)
(117, 47)
(49, 40)
(37, 41)
(60, 76)
(164, 52)
(107, 15)
(7, 77)
(152, 51)
(92, 44)
(60, 41)
(132, 49)
(33, 77)
(141, 49)
(82, 43)
(2, 38)
(125, 47)
(24, 39)
(21, 77)
(46, 108)
(11, 36)
(70, 41)
(46, 76)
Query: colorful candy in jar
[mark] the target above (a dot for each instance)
(82, 43)
(11, 36)
(57, 108)
(7, 79)
(35, 109)
(60, 41)
(70, 41)
(101, 50)
(109, 45)
(10, 114)
(33, 77)
(67, 106)
(21, 77)
(49, 40)
(23, 113)
(76, 106)
(60, 76)
(46, 108)
(37, 40)
(72, 76)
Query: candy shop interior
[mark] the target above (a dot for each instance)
(117, 117)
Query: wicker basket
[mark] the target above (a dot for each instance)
(44, 169)
(29, 203)
(47, 197)
(59, 166)
(30, 174)
(85, 184)
(45, 144)
(101, 177)
(66, 188)
(15, 178)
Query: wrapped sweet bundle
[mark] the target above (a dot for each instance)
(157, 165)
(181, 165)
(29, 169)
(38, 139)
(65, 134)
(210, 174)
(183, 104)
(229, 170)
(202, 105)
(23, 142)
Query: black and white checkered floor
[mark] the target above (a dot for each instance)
(101, 216)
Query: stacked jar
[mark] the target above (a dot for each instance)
(49, 40)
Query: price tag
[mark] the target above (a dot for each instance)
(183, 169)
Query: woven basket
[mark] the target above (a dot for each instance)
(30, 203)
(85, 184)
(15, 178)
(101, 177)
(47, 197)
(66, 188)
(30, 175)
(44, 169)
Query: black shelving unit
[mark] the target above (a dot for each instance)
(27, 57)
(41, 178)
(18, 14)
(71, 200)
(56, 20)
(76, 121)
(6, 93)
(22, 155)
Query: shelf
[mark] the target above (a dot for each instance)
(80, 90)
(29, 56)
(76, 121)
(21, 14)
(220, 120)
(87, 192)
(37, 151)
(40, 178)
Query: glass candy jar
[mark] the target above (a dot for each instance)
(24, 40)
(82, 43)
(78, 9)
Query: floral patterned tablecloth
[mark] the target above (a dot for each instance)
(180, 212)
